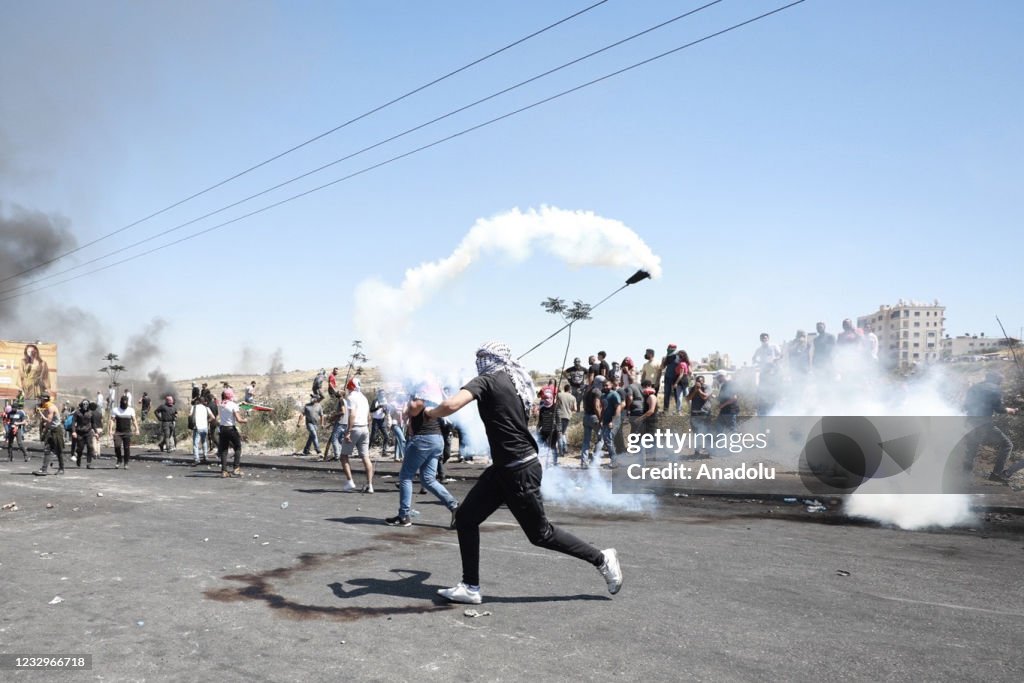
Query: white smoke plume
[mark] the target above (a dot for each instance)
(580, 238)
(911, 511)
(859, 386)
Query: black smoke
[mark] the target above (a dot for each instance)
(144, 348)
(31, 238)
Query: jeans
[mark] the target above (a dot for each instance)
(199, 443)
(519, 489)
(18, 438)
(680, 396)
(590, 424)
(421, 455)
(312, 440)
(399, 441)
(608, 432)
(337, 436)
(563, 440)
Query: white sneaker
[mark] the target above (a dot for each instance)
(350, 487)
(611, 571)
(461, 593)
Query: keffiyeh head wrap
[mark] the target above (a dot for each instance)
(494, 357)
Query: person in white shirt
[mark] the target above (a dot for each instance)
(358, 436)
(201, 418)
(766, 355)
(229, 418)
(122, 425)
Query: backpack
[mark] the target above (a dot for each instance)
(68, 421)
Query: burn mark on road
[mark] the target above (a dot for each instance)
(258, 587)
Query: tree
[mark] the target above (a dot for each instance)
(571, 315)
(112, 369)
(356, 360)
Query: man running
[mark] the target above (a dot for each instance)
(504, 393)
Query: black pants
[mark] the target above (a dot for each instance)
(229, 437)
(520, 491)
(166, 436)
(124, 440)
(83, 442)
(20, 439)
(54, 439)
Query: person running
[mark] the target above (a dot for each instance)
(52, 435)
(16, 421)
(357, 438)
(422, 454)
(230, 418)
(504, 394)
(122, 426)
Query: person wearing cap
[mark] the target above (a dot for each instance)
(576, 375)
(504, 393)
(984, 400)
(357, 438)
(230, 417)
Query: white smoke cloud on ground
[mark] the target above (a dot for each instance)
(861, 387)
(579, 238)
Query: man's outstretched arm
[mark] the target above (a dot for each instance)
(450, 405)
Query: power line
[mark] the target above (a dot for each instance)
(309, 141)
(421, 148)
(368, 148)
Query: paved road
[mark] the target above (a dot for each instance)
(175, 574)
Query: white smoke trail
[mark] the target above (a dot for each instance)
(580, 238)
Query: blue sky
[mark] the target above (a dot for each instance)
(810, 166)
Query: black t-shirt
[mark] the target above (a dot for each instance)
(697, 404)
(604, 368)
(576, 375)
(984, 400)
(728, 391)
(595, 370)
(588, 401)
(504, 418)
(419, 424)
(83, 421)
(146, 402)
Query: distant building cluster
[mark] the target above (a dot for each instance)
(909, 332)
